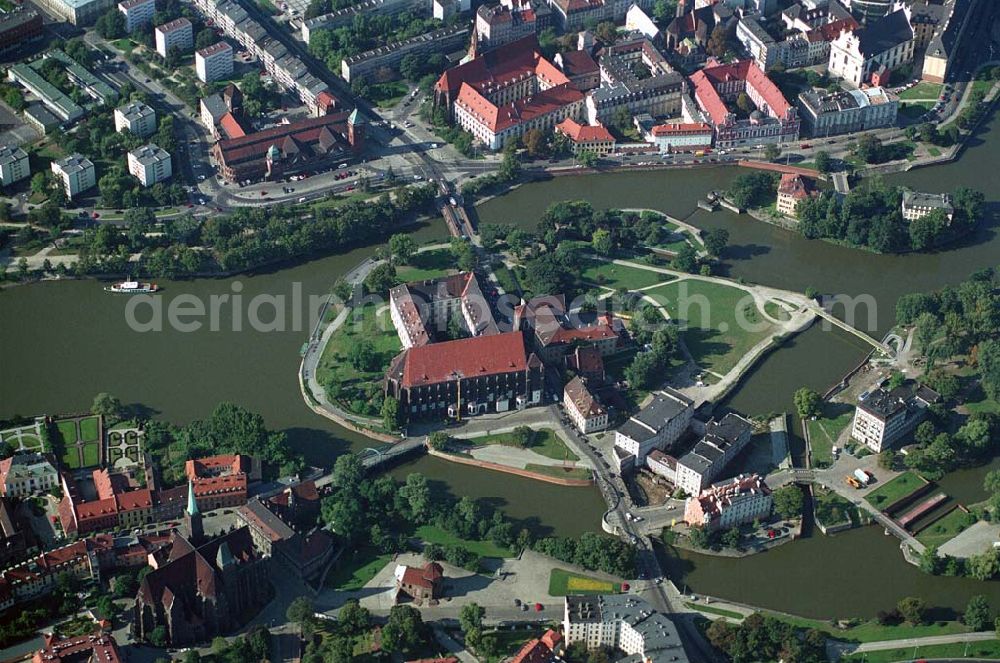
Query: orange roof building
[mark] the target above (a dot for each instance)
(98, 647)
(792, 190)
(586, 137)
(539, 650)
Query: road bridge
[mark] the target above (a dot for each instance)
(840, 183)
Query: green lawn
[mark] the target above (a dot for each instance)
(67, 429)
(335, 370)
(545, 443)
(824, 431)
(89, 429)
(427, 265)
(354, 572)
(559, 471)
(776, 310)
(900, 487)
(31, 441)
(506, 280)
(922, 90)
(874, 632)
(615, 276)
(721, 323)
(945, 528)
(91, 454)
(987, 405)
(984, 649)
(387, 95)
(432, 534)
(832, 509)
(564, 583)
(712, 610)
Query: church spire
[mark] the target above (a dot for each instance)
(192, 507)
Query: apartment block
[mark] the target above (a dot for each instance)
(76, 172)
(136, 118)
(138, 13)
(722, 442)
(177, 34)
(883, 417)
(830, 114)
(657, 426)
(150, 164)
(13, 165)
(214, 63)
(729, 503)
(625, 622)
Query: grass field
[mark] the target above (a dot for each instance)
(985, 649)
(545, 443)
(354, 572)
(832, 509)
(89, 429)
(712, 610)
(946, 528)
(91, 454)
(560, 472)
(874, 632)
(610, 275)
(427, 265)
(564, 583)
(721, 323)
(901, 486)
(922, 91)
(432, 534)
(776, 311)
(68, 431)
(824, 431)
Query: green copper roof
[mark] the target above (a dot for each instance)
(356, 118)
(192, 507)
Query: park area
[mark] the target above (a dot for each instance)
(720, 323)
(355, 358)
(609, 275)
(24, 438)
(543, 442)
(825, 429)
(427, 265)
(832, 510)
(565, 583)
(79, 439)
(891, 492)
(946, 527)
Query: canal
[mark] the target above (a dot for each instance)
(61, 343)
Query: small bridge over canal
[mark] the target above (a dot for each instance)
(878, 345)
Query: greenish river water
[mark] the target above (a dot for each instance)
(60, 343)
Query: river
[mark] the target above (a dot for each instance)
(61, 343)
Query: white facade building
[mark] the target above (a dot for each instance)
(177, 34)
(625, 622)
(214, 63)
(584, 410)
(730, 503)
(656, 426)
(76, 172)
(723, 441)
(136, 118)
(23, 475)
(138, 13)
(882, 45)
(13, 165)
(150, 164)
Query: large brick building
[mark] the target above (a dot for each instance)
(274, 153)
(468, 376)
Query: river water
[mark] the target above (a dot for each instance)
(61, 343)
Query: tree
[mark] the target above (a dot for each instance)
(913, 609)
(463, 253)
(887, 459)
(300, 610)
(363, 356)
(111, 24)
(807, 403)
(587, 158)
(984, 566)
(788, 501)
(716, 240)
(699, 537)
(743, 102)
(930, 561)
(353, 618)
(404, 629)
(158, 637)
(772, 151)
(471, 618)
(686, 259)
(106, 405)
(205, 38)
(601, 242)
(438, 440)
(535, 143)
(402, 247)
(869, 149)
(978, 615)
(381, 279)
(718, 41)
(522, 436)
(989, 367)
(391, 413)
(731, 537)
(823, 161)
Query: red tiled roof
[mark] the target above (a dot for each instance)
(831, 31)
(98, 646)
(585, 133)
(705, 80)
(214, 465)
(681, 129)
(135, 499)
(255, 145)
(425, 577)
(469, 357)
(231, 127)
(794, 185)
(577, 63)
(539, 650)
(522, 110)
(499, 67)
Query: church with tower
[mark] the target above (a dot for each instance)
(205, 587)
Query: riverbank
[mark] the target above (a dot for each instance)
(507, 469)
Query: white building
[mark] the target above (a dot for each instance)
(730, 503)
(680, 136)
(584, 410)
(656, 426)
(136, 118)
(723, 441)
(177, 34)
(829, 114)
(138, 13)
(23, 475)
(917, 205)
(625, 622)
(150, 164)
(883, 417)
(77, 12)
(76, 172)
(14, 165)
(214, 63)
(869, 54)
